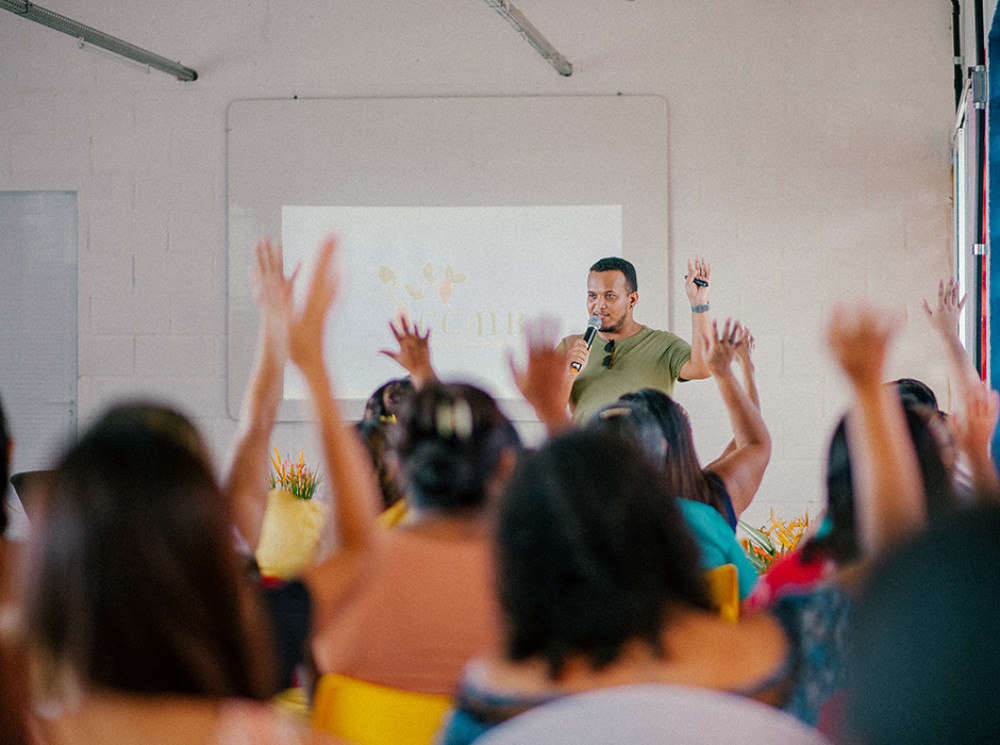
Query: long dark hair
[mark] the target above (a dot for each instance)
(451, 438)
(133, 581)
(839, 540)
(592, 552)
(683, 472)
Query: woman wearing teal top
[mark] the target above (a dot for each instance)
(730, 482)
(717, 545)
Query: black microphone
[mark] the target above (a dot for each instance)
(588, 336)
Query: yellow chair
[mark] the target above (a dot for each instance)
(724, 591)
(369, 714)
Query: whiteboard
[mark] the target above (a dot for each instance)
(518, 196)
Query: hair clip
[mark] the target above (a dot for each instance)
(454, 419)
(615, 411)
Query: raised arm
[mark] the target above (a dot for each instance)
(944, 318)
(742, 467)
(414, 353)
(246, 482)
(973, 428)
(888, 490)
(543, 379)
(975, 413)
(696, 285)
(354, 487)
(744, 359)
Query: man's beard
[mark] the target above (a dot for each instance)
(615, 327)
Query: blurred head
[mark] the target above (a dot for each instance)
(452, 437)
(631, 420)
(839, 540)
(379, 437)
(592, 553)
(681, 467)
(923, 663)
(386, 402)
(914, 391)
(133, 582)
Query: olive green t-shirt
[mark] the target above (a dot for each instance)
(647, 359)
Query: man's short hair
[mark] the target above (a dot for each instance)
(616, 264)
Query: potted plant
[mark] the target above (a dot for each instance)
(293, 520)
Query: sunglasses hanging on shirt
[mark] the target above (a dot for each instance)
(609, 359)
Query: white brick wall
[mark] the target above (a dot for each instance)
(809, 156)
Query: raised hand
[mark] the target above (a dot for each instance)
(273, 293)
(973, 428)
(944, 318)
(720, 347)
(743, 349)
(859, 337)
(414, 353)
(306, 328)
(949, 308)
(698, 271)
(544, 381)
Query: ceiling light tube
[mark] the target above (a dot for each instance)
(87, 35)
(516, 18)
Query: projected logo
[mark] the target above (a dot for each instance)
(403, 293)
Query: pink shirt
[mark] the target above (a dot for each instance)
(423, 610)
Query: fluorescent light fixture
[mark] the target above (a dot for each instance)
(516, 18)
(85, 35)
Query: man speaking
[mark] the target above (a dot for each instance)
(625, 355)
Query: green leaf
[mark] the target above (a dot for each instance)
(414, 293)
(756, 562)
(429, 273)
(757, 537)
(386, 275)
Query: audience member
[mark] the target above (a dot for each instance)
(427, 602)
(632, 417)
(835, 543)
(923, 658)
(730, 482)
(978, 405)
(716, 543)
(140, 625)
(404, 608)
(379, 428)
(600, 585)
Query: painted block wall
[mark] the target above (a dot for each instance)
(809, 161)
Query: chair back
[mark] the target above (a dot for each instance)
(366, 713)
(724, 591)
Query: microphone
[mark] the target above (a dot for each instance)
(588, 336)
